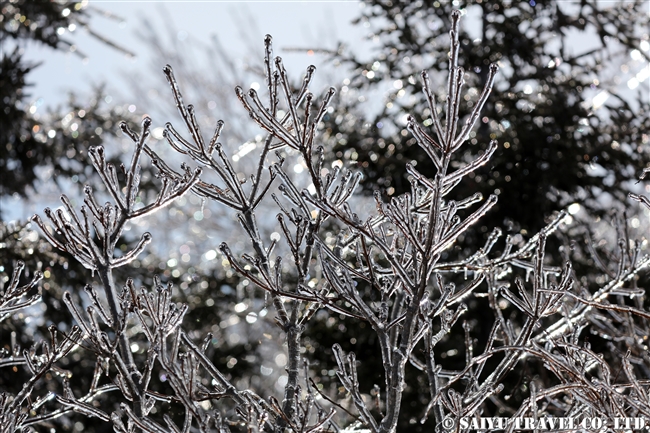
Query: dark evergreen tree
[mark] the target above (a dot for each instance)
(29, 141)
(56, 142)
(557, 145)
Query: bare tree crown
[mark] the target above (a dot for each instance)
(391, 270)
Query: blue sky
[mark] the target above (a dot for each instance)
(291, 24)
(239, 25)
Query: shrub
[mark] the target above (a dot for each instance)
(393, 270)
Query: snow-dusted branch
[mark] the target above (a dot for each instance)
(397, 269)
